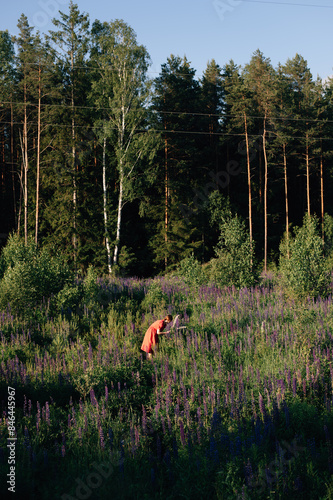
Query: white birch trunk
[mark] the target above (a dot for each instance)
(265, 195)
(38, 160)
(107, 241)
(26, 166)
(120, 208)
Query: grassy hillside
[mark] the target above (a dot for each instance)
(237, 405)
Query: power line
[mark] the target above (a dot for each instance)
(175, 113)
(289, 3)
(160, 131)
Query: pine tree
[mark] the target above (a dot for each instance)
(8, 174)
(239, 111)
(301, 88)
(70, 44)
(25, 66)
(259, 77)
(177, 104)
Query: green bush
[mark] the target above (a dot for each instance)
(30, 275)
(190, 270)
(233, 265)
(302, 265)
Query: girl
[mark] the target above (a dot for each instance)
(150, 341)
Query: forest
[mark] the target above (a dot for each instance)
(106, 165)
(126, 197)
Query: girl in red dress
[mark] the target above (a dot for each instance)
(150, 341)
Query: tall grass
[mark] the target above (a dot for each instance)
(237, 405)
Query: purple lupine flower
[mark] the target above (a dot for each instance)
(262, 406)
(169, 423)
(101, 437)
(106, 394)
(182, 433)
(38, 416)
(294, 386)
(137, 436)
(144, 420)
(304, 387)
(174, 375)
(93, 398)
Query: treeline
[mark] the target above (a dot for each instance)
(110, 167)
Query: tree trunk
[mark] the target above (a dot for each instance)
(248, 177)
(286, 195)
(26, 166)
(12, 157)
(322, 192)
(38, 157)
(307, 175)
(119, 215)
(265, 195)
(107, 241)
(166, 215)
(73, 163)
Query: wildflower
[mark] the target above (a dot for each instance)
(144, 419)
(182, 433)
(101, 437)
(47, 413)
(262, 406)
(93, 398)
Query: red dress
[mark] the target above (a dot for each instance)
(151, 337)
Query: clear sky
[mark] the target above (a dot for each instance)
(205, 29)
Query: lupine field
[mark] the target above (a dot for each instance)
(237, 405)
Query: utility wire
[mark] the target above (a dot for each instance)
(162, 131)
(288, 3)
(176, 113)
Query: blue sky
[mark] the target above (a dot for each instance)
(206, 29)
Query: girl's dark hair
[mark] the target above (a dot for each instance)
(168, 317)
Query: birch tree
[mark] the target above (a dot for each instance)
(121, 92)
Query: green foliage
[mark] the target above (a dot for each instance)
(30, 275)
(190, 271)
(155, 298)
(302, 266)
(233, 265)
(90, 286)
(69, 297)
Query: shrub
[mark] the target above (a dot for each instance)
(233, 265)
(29, 275)
(189, 269)
(303, 269)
